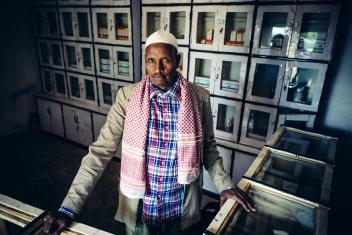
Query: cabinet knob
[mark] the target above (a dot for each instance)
(296, 25)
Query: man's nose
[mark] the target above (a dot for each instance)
(159, 67)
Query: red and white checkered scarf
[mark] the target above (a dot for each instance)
(133, 157)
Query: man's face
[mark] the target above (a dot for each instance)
(161, 60)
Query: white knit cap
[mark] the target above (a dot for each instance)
(162, 36)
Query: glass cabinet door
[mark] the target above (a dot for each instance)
(71, 59)
(273, 30)
(177, 22)
(123, 63)
(104, 60)
(258, 124)
(303, 85)
(82, 24)
(236, 31)
(227, 118)
(102, 24)
(265, 80)
(230, 75)
(52, 23)
(314, 31)
(67, 23)
(47, 81)
(75, 86)
(108, 90)
(39, 22)
(44, 54)
(60, 84)
(205, 33)
(85, 58)
(121, 27)
(300, 121)
(56, 55)
(183, 65)
(73, 2)
(152, 20)
(202, 67)
(89, 89)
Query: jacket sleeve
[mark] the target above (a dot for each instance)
(212, 161)
(100, 153)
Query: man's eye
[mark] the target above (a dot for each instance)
(166, 61)
(150, 61)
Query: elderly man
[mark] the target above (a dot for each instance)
(165, 125)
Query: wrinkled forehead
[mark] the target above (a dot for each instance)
(160, 49)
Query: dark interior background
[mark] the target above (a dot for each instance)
(19, 79)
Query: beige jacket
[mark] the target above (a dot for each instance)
(102, 150)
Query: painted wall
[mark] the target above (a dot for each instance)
(19, 74)
(335, 119)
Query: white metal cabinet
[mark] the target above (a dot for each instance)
(202, 69)
(111, 2)
(236, 30)
(112, 25)
(226, 155)
(273, 29)
(50, 53)
(114, 62)
(82, 88)
(265, 80)
(227, 118)
(50, 117)
(164, 1)
(45, 22)
(79, 57)
(73, 2)
(295, 120)
(207, 24)
(176, 20)
(47, 81)
(75, 24)
(242, 162)
(258, 124)
(78, 125)
(230, 75)
(303, 85)
(314, 31)
(108, 90)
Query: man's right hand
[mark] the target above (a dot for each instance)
(56, 222)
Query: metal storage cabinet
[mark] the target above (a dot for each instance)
(78, 124)
(50, 117)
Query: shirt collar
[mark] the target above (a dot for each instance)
(173, 92)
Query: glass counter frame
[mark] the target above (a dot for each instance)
(331, 147)
(229, 213)
(263, 157)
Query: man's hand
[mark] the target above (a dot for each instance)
(56, 222)
(239, 196)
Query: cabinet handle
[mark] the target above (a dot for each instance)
(221, 30)
(165, 27)
(75, 119)
(296, 25)
(48, 110)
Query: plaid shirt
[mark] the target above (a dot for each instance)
(163, 198)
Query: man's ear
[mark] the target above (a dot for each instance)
(178, 59)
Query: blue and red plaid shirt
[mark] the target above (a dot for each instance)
(163, 198)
